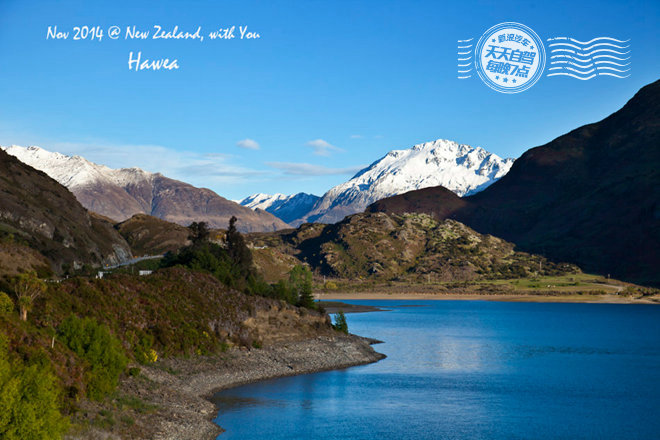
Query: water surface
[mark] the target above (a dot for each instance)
(472, 370)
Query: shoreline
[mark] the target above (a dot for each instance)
(172, 398)
(504, 297)
(183, 388)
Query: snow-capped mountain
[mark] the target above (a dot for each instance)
(75, 171)
(121, 193)
(288, 208)
(460, 168)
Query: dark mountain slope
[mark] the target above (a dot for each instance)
(39, 211)
(590, 197)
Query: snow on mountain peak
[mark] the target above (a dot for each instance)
(75, 171)
(262, 201)
(288, 208)
(458, 167)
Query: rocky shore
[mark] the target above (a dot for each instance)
(176, 392)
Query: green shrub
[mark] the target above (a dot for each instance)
(28, 401)
(94, 343)
(237, 271)
(206, 257)
(6, 304)
(340, 322)
(231, 264)
(283, 290)
(143, 347)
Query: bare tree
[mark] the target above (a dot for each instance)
(27, 288)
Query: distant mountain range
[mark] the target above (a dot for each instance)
(591, 196)
(288, 208)
(461, 168)
(122, 193)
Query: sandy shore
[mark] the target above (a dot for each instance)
(562, 298)
(180, 388)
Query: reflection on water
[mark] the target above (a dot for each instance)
(472, 370)
(462, 355)
(226, 403)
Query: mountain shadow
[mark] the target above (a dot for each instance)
(590, 197)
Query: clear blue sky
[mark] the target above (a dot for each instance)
(364, 77)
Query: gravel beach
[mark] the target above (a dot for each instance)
(180, 388)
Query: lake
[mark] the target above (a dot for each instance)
(472, 370)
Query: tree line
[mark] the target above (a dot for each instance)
(232, 264)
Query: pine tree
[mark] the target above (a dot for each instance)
(199, 232)
(300, 280)
(239, 254)
(238, 250)
(340, 322)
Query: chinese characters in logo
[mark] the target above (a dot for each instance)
(510, 57)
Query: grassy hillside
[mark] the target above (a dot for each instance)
(17, 257)
(149, 235)
(378, 246)
(173, 312)
(406, 247)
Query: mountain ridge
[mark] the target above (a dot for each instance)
(459, 167)
(122, 193)
(462, 168)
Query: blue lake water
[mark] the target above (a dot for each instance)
(472, 370)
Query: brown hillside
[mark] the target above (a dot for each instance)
(149, 235)
(406, 247)
(174, 201)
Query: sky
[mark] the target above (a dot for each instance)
(328, 87)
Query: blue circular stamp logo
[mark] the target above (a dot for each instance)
(509, 57)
